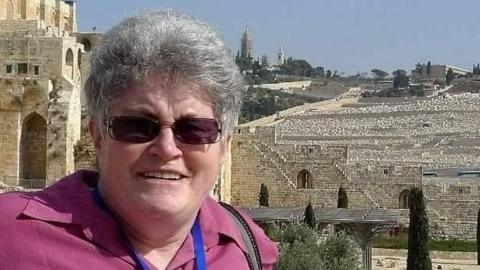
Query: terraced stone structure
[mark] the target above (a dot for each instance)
(377, 152)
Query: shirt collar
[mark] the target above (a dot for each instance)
(70, 201)
(217, 225)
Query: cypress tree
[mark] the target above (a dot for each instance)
(478, 237)
(429, 68)
(263, 198)
(342, 198)
(450, 76)
(309, 216)
(418, 254)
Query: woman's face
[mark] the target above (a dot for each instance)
(162, 177)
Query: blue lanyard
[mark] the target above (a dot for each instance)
(196, 231)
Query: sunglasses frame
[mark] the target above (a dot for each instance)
(110, 119)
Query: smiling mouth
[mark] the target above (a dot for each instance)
(169, 176)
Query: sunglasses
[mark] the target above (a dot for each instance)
(137, 129)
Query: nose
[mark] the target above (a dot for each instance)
(164, 145)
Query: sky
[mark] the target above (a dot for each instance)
(350, 36)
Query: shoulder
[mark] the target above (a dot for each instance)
(59, 198)
(268, 249)
(11, 205)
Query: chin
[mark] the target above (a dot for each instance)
(161, 206)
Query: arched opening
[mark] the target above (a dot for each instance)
(87, 46)
(404, 200)
(304, 179)
(53, 17)
(9, 10)
(33, 149)
(69, 63)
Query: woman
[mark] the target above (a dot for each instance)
(163, 97)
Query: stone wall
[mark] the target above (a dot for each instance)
(256, 159)
(48, 13)
(39, 94)
(377, 153)
(22, 26)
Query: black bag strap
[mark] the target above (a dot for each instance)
(253, 256)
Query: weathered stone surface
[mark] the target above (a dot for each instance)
(377, 153)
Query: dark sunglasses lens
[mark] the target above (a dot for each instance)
(133, 129)
(197, 130)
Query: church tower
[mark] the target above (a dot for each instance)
(280, 57)
(246, 45)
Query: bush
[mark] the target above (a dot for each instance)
(339, 252)
(301, 248)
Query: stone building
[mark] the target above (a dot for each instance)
(41, 63)
(377, 152)
(437, 72)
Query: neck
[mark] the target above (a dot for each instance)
(158, 241)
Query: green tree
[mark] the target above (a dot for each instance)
(263, 198)
(297, 67)
(379, 74)
(400, 79)
(476, 69)
(319, 72)
(478, 237)
(244, 63)
(418, 69)
(260, 102)
(342, 198)
(309, 216)
(418, 253)
(328, 74)
(450, 76)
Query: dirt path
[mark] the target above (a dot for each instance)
(387, 259)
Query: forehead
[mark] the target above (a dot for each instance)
(163, 89)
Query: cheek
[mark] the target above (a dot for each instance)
(205, 164)
(116, 157)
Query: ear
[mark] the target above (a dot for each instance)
(96, 132)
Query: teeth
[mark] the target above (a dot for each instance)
(163, 175)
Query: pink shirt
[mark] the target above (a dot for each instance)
(61, 227)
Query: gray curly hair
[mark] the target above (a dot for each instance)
(172, 45)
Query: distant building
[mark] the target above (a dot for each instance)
(246, 45)
(280, 57)
(438, 72)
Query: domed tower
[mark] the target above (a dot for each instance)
(246, 44)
